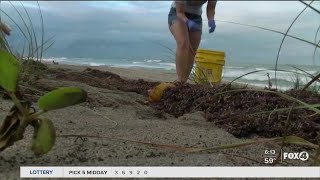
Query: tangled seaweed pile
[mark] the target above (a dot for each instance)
(104, 79)
(241, 113)
(244, 113)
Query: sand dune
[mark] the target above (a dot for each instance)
(116, 128)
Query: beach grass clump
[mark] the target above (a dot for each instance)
(33, 49)
(26, 66)
(22, 114)
(34, 42)
(198, 75)
(31, 71)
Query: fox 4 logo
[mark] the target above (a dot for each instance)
(303, 156)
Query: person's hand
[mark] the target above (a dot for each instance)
(5, 28)
(212, 25)
(192, 26)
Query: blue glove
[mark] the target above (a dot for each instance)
(212, 25)
(192, 26)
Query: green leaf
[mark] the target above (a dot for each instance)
(62, 97)
(44, 136)
(9, 71)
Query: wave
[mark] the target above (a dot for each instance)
(230, 72)
(262, 76)
(69, 60)
(56, 59)
(281, 84)
(261, 69)
(313, 72)
(153, 60)
(234, 67)
(93, 64)
(149, 61)
(168, 64)
(138, 62)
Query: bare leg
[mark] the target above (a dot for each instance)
(180, 32)
(195, 38)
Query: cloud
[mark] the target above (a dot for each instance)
(31, 5)
(125, 26)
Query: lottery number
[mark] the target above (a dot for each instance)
(130, 172)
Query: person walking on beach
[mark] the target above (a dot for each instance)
(185, 24)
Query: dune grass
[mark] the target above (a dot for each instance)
(35, 47)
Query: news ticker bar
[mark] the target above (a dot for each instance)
(167, 172)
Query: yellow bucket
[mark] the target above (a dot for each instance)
(209, 65)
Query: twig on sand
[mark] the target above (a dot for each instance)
(269, 117)
(32, 89)
(314, 114)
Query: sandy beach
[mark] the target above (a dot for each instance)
(117, 128)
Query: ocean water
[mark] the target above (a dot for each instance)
(286, 75)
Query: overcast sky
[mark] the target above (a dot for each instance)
(127, 29)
